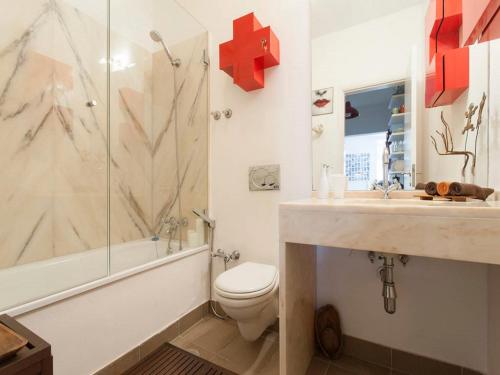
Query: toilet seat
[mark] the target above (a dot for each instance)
(248, 280)
(248, 293)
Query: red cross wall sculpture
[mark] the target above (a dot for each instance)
(253, 49)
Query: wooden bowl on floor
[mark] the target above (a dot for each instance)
(10, 343)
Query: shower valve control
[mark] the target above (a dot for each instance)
(228, 113)
(234, 256)
(216, 115)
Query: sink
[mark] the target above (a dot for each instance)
(466, 231)
(403, 205)
(409, 202)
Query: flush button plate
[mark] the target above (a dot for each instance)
(264, 177)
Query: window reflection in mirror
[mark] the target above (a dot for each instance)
(372, 116)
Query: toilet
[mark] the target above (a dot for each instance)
(248, 293)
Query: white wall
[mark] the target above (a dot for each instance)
(92, 329)
(494, 180)
(370, 53)
(329, 147)
(494, 114)
(493, 320)
(268, 126)
(441, 305)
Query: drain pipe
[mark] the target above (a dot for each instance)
(388, 288)
(386, 274)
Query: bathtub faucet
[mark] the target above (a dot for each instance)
(171, 224)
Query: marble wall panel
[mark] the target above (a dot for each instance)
(54, 158)
(192, 146)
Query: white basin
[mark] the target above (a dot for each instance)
(409, 202)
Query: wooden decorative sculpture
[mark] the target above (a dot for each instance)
(478, 124)
(447, 138)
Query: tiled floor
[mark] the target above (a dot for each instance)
(219, 342)
(346, 366)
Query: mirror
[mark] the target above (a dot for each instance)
(371, 67)
(372, 117)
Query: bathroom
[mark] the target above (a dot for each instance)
(136, 173)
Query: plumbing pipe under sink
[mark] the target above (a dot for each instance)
(388, 288)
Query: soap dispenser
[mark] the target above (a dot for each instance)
(324, 187)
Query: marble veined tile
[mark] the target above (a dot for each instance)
(54, 159)
(53, 152)
(131, 143)
(192, 121)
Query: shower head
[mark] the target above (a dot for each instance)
(201, 214)
(156, 37)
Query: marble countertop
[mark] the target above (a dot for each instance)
(464, 231)
(399, 206)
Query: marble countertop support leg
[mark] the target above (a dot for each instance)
(297, 307)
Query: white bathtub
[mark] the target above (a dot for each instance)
(36, 284)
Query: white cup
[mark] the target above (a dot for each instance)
(193, 238)
(337, 185)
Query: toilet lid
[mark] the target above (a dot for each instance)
(248, 278)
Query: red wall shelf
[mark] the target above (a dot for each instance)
(253, 49)
(448, 70)
(452, 26)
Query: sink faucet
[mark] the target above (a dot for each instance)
(386, 188)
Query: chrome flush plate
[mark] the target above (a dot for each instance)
(264, 177)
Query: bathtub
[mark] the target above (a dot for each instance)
(33, 285)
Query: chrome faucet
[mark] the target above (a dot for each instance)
(172, 224)
(386, 188)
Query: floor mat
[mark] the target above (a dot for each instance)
(170, 360)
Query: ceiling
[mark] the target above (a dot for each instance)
(133, 20)
(329, 16)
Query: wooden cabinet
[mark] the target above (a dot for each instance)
(34, 359)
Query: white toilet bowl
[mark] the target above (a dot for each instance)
(248, 293)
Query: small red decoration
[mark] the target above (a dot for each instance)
(252, 50)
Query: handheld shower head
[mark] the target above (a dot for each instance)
(201, 214)
(156, 37)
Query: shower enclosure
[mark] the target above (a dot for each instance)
(104, 131)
